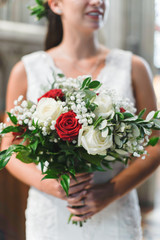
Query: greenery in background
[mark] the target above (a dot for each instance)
(39, 9)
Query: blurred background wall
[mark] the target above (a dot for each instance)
(132, 25)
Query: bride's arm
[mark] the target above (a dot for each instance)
(28, 173)
(102, 195)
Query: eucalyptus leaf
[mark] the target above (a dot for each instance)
(122, 152)
(136, 131)
(140, 115)
(118, 140)
(128, 115)
(110, 158)
(157, 123)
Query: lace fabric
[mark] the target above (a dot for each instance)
(46, 216)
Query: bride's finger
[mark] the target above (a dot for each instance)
(79, 211)
(82, 218)
(79, 187)
(76, 199)
(81, 179)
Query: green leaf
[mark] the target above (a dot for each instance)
(157, 123)
(140, 115)
(94, 159)
(156, 114)
(4, 158)
(90, 94)
(86, 82)
(106, 164)
(6, 154)
(136, 131)
(128, 115)
(12, 118)
(11, 129)
(25, 157)
(70, 217)
(65, 182)
(98, 121)
(94, 85)
(34, 145)
(50, 174)
(153, 141)
(120, 115)
(61, 75)
(110, 158)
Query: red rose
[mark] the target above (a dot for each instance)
(122, 110)
(67, 126)
(54, 93)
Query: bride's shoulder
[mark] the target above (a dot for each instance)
(140, 69)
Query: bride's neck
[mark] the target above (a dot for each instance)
(80, 46)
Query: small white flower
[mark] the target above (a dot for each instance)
(44, 133)
(143, 157)
(8, 119)
(20, 122)
(65, 109)
(15, 102)
(83, 103)
(135, 154)
(78, 101)
(12, 111)
(84, 109)
(140, 148)
(55, 140)
(52, 127)
(72, 98)
(20, 98)
(26, 121)
(63, 104)
(24, 104)
(44, 129)
(90, 120)
(45, 124)
(74, 141)
(78, 106)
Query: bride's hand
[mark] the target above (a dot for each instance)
(53, 187)
(97, 198)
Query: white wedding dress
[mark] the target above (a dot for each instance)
(46, 216)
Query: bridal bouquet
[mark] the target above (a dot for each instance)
(75, 127)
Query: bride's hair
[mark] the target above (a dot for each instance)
(55, 30)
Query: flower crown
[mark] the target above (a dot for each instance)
(39, 9)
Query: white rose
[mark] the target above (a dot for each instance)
(91, 139)
(48, 109)
(105, 105)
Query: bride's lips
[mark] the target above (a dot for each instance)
(95, 14)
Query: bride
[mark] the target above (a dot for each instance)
(108, 200)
